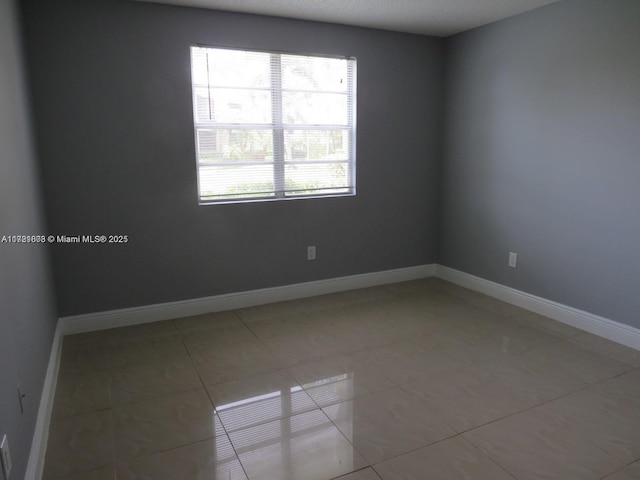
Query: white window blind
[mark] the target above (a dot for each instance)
(272, 126)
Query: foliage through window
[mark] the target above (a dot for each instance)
(272, 125)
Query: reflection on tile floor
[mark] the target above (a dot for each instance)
(413, 380)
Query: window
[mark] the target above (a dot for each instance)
(271, 126)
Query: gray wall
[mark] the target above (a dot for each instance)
(542, 155)
(27, 316)
(111, 88)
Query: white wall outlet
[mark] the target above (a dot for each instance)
(513, 260)
(5, 457)
(311, 252)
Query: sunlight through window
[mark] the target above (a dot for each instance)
(272, 126)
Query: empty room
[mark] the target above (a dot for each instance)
(295, 240)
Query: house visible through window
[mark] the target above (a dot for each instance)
(272, 126)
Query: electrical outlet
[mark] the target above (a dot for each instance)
(311, 252)
(513, 260)
(5, 457)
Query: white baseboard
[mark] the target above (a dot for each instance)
(38, 451)
(165, 311)
(603, 327)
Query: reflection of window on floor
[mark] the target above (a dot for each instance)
(335, 390)
(332, 389)
(292, 433)
(227, 465)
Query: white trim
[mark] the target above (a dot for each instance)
(603, 327)
(231, 301)
(35, 464)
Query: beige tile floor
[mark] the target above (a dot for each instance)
(418, 380)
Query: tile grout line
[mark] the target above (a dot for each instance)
(206, 390)
(486, 455)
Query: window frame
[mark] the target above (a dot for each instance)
(277, 128)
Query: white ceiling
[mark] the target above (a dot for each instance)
(428, 17)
